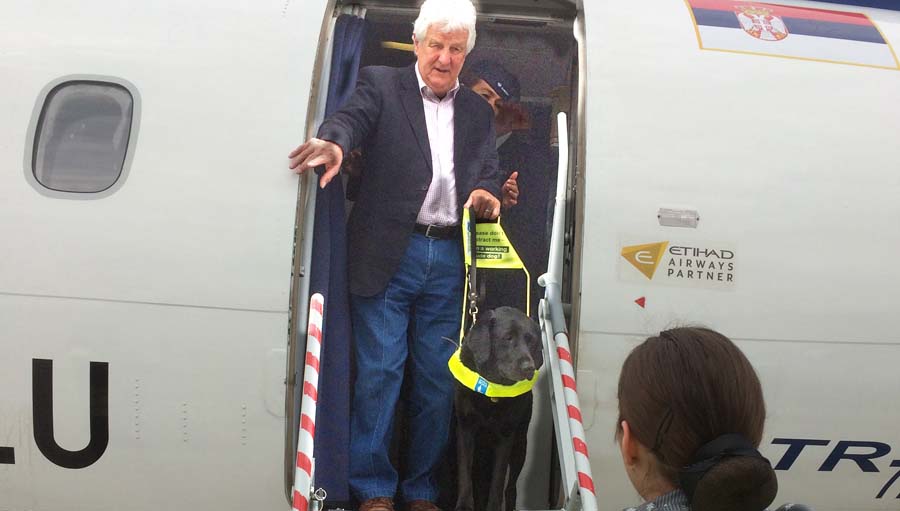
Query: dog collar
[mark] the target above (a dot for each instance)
(474, 381)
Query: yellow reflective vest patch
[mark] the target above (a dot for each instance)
(494, 252)
(474, 381)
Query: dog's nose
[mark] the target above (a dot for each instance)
(526, 366)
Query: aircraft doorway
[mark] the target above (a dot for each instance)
(536, 47)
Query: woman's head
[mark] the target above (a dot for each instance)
(680, 391)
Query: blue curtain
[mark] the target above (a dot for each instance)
(329, 277)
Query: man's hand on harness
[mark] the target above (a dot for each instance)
(486, 205)
(317, 152)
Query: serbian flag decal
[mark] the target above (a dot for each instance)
(791, 32)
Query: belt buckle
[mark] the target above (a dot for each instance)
(428, 231)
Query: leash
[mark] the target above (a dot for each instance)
(470, 233)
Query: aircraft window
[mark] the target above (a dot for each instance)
(82, 136)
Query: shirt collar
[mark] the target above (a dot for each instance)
(426, 92)
(503, 138)
(675, 500)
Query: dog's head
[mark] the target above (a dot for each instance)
(504, 346)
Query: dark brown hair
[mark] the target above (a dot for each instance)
(683, 389)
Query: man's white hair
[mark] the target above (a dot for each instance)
(447, 16)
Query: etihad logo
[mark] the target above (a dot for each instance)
(645, 257)
(703, 264)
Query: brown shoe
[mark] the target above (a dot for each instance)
(377, 504)
(423, 505)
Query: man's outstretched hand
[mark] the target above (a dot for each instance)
(317, 152)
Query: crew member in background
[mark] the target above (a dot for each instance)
(430, 150)
(526, 168)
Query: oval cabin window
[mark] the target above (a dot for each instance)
(82, 136)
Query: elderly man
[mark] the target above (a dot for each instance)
(430, 151)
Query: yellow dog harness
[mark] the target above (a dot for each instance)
(493, 251)
(474, 381)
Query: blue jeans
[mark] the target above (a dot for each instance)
(423, 299)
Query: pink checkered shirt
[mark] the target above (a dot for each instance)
(441, 206)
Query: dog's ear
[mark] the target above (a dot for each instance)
(535, 344)
(478, 341)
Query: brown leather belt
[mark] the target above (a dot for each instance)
(441, 232)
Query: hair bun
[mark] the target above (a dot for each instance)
(729, 473)
(736, 484)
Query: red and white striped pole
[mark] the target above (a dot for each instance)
(303, 475)
(576, 427)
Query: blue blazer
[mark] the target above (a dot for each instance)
(386, 118)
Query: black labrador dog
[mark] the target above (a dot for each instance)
(504, 347)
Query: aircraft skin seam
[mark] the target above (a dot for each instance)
(138, 302)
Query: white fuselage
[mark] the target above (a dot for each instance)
(175, 285)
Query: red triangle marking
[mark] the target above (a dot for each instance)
(641, 301)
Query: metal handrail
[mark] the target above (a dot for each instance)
(576, 469)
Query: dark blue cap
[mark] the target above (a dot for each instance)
(504, 83)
